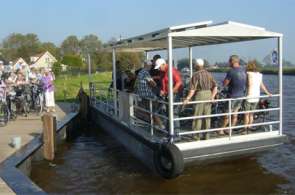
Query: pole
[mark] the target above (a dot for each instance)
(89, 67)
(49, 136)
(190, 51)
(280, 49)
(146, 55)
(170, 89)
(114, 82)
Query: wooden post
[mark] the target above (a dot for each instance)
(49, 136)
(83, 104)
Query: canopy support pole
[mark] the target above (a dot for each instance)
(115, 82)
(170, 89)
(280, 52)
(146, 55)
(190, 51)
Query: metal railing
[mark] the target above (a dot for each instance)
(103, 97)
(228, 114)
(150, 111)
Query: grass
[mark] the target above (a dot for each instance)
(67, 86)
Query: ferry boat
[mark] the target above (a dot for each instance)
(168, 151)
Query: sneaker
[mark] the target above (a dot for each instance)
(196, 137)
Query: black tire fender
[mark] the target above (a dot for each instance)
(168, 161)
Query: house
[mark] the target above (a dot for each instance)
(43, 60)
(64, 67)
(19, 62)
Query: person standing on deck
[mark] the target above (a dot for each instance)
(203, 87)
(161, 65)
(157, 75)
(254, 84)
(235, 80)
(144, 85)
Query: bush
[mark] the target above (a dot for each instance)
(56, 68)
(72, 61)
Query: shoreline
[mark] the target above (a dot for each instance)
(286, 71)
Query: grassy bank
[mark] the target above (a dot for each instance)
(67, 86)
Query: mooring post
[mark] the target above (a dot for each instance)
(49, 136)
(84, 103)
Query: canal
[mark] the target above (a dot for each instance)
(95, 163)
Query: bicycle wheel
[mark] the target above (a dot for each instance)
(4, 115)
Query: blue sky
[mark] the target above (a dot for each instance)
(53, 20)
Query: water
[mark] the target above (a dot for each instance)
(98, 164)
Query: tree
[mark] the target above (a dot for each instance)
(130, 61)
(18, 45)
(73, 61)
(90, 44)
(48, 46)
(56, 68)
(70, 46)
(103, 61)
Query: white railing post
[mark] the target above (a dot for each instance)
(170, 89)
(146, 55)
(151, 116)
(190, 50)
(131, 109)
(280, 50)
(229, 119)
(115, 82)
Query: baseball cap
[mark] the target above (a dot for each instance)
(159, 62)
(199, 62)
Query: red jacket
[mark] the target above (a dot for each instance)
(176, 79)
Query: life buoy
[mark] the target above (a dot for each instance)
(168, 161)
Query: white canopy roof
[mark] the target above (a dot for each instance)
(196, 34)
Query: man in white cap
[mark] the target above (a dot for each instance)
(177, 85)
(161, 65)
(203, 87)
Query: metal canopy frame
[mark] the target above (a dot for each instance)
(192, 35)
(196, 34)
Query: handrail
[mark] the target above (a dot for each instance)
(150, 111)
(225, 99)
(226, 128)
(163, 131)
(225, 114)
(100, 82)
(156, 114)
(154, 100)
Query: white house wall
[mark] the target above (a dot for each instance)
(44, 63)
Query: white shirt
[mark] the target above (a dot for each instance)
(254, 83)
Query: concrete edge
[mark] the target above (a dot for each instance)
(17, 180)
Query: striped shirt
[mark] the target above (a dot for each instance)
(202, 80)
